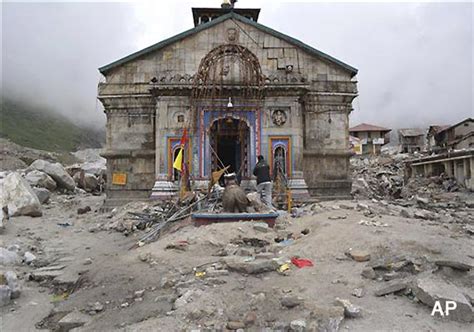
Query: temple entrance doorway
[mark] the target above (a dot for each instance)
(229, 140)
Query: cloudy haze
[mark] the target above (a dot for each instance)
(415, 60)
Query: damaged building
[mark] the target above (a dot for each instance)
(240, 89)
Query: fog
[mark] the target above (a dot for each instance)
(415, 60)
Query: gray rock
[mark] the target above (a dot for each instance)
(235, 325)
(96, 168)
(90, 182)
(327, 319)
(424, 214)
(73, 319)
(13, 284)
(261, 227)
(359, 255)
(5, 295)
(454, 264)
(368, 273)
(40, 179)
(391, 288)
(8, 257)
(430, 289)
(56, 171)
(19, 197)
(362, 206)
(43, 194)
(422, 200)
(28, 257)
(358, 292)
(298, 325)
(407, 213)
(212, 272)
(95, 307)
(291, 301)
(350, 310)
(251, 267)
(83, 210)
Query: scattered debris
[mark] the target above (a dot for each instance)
(301, 262)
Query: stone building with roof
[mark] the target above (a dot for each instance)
(241, 89)
(411, 140)
(371, 137)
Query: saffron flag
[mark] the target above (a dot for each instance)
(178, 162)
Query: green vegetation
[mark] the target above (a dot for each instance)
(43, 129)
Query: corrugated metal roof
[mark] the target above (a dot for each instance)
(368, 127)
(231, 15)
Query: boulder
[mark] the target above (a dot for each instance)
(89, 182)
(86, 181)
(56, 171)
(19, 197)
(95, 168)
(43, 194)
(430, 289)
(40, 179)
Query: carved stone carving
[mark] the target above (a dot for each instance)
(279, 117)
(232, 35)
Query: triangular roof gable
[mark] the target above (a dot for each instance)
(368, 127)
(169, 41)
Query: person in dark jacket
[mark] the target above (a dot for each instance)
(264, 182)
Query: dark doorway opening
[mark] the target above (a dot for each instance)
(228, 150)
(229, 139)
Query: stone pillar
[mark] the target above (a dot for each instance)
(129, 147)
(163, 188)
(326, 144)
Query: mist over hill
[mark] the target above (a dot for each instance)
(41, 128)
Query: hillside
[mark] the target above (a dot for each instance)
(42, 129)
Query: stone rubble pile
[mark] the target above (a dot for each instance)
(383, 177)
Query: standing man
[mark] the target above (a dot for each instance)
(264, 183)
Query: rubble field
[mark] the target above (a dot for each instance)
(377, 262)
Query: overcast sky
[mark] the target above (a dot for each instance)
(415, 60)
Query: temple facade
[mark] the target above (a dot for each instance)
(240, 89)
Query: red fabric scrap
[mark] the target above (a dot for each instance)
(301, 262)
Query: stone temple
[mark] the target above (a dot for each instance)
(241, 89)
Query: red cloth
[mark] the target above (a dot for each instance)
(184, 138)
(301, 262)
